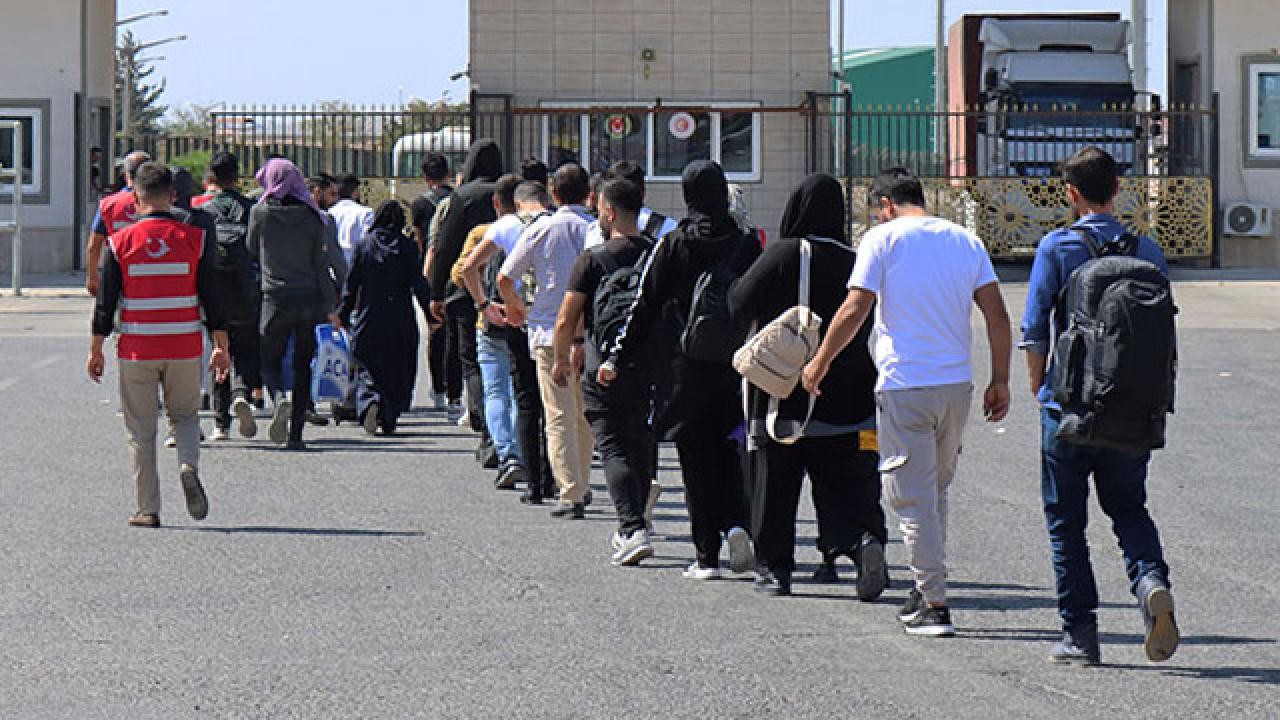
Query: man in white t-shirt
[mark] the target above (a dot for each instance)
(923, 275)
(352, 218)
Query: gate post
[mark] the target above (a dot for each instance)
(1215, 168)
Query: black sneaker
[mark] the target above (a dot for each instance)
(772, 584)
(1156, 602)
(1077, 648)
(872, 569)
(573, 511)
(511, 474)
(913, 606)
(826, 572)
(931, 622)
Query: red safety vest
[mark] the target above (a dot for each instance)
(118, 211)
(199, 200)
(159, 305)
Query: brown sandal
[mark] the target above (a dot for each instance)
(146, 520)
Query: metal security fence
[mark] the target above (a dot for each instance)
(996, 171)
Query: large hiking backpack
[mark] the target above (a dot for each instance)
(710, 333)
(611, 304)
(1114, 366)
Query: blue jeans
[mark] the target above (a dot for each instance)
(1120, 479)
(499, 396)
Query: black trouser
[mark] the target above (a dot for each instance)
(711, 466)
(460, 315)
(437, 351)
(626, 444)
(846, 497)
(246, 359)
(529, 419)
(282, 319)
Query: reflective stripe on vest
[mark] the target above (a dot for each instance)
(160, 305)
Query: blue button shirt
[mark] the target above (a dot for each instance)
(1059, 254)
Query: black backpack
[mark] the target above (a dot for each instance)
(710, 333)
(612, 302)
(234, 266)
(653, 225)
(1114, 366)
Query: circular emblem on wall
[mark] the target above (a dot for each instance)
(618, 126)
(682, 126)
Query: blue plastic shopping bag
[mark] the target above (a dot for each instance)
(331, 368)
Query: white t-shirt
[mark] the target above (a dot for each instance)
(505, 231)
(353, 221)
(595, 237)
(924, 271)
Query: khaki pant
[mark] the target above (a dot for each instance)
(569, 438)
(139, 381)
(920, 431)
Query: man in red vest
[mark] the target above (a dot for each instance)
(115, 213)
(160, 273)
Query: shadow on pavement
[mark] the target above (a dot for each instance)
(1258, 675)
(277, 530)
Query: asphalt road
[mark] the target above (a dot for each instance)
(387, 578)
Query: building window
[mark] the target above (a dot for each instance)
(32, 120)
(661, 140)
(1262, 120)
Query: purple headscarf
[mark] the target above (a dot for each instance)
(281, 179)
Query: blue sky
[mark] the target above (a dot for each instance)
(380, 51)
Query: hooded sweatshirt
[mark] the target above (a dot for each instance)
(471, 205)
(702, 240)
(289, 241)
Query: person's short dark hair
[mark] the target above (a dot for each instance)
(505, 192)
(225, 168)
(629, 170)
(532, 191)
(899, 185)
(623, 195)
(347, 186)
(569, 183)
(153, 179)
(1093, 172)
(320, 181)
(534, 169)
(184, 186)
(435, 167)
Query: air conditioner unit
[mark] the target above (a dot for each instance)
(1248, 219)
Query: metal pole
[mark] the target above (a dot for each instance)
(16, 225)
(840, 49)
(126, 104)
(1215, 170)
(940, 76)
(1138, 51)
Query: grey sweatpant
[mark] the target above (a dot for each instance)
(139, 382)
(920, 431)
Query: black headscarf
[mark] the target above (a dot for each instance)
(815, 208)
(706, 196)
(387, 232)
(484, 162)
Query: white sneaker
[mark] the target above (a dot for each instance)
(633, 549)
(170, 441)
(617, 541)
(655, 491)
(243, 411)
(697, 572)
(219, 435)
(742, 557)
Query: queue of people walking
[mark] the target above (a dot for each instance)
(566, 320)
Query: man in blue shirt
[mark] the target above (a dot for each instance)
(1120, 478)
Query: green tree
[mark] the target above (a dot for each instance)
(145, 110)
(194, 121)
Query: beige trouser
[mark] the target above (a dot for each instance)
(569, 438)
(139, 380)
(920, 431)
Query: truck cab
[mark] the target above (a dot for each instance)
(1050, 87)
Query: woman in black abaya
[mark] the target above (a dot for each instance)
(377, 304)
